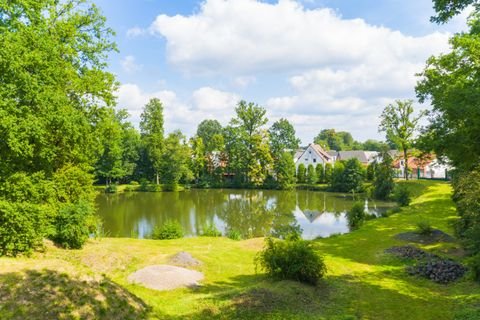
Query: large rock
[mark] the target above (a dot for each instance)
(166, 277)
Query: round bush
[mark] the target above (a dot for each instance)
(169, 230)
(402, 196)
(291, 259)
(74, 224)
(209, 230)
(22, 227)
(356, 216)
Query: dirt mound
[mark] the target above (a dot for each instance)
(184, 259)
(165, 277)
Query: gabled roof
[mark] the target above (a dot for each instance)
(320, 151)
(298, 154)
(362, 156)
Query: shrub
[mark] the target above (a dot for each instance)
(356, 216)
(74, 224)
(209, 230)
(402, 196)
(111, 188)
(169, 230)
(291, 259)
(22, 227)
(424, 228)
(311, 178)
(474, 266)
(234, 235)
(301, 173)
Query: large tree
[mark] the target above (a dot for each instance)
(247, 144)
(447, 9)
(151, 126)
(53, 83)
(282, 138)
(208, 131)
(400, 125)
(54, 92)
(175, 161)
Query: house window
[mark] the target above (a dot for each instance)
(314, 160)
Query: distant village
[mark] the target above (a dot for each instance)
(428, 167)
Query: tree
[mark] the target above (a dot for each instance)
(447, 9)
(247, 144)
(400, 125)
(175, 161)
(53, 84)
(301, 173)
(348, 177)
(328, 172)
(320, 170)
(54, 92)
(282, 138)
(199, 160)
(311, 175)
(151, 126)
(285, 171)
(207, 130)
(373, 145)
(383, 183)
(329, 139)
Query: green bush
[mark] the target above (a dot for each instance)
(356, 216)
(209, 230)
(22, 227)
(291, 259)
(169, 230)
(234, 235)
(474, 266)
(74, 224)
(424, 228)
(402, 195)
(301, 173)
(111, 188)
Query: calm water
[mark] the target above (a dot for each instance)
(251, 212)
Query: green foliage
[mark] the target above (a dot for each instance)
(234, 235)
(328, 173)
(447, 9)
(22, 227)
(311, 175)
(282, 138)
(291, 259)
(400, 125)
(54, 84)
(356, 215)
(301, 173)
(32, 188)
(112, 188)
(74, 224)
(474, 266)
(348, 176)
(151, 128)
(371, 168)
(73, 184)
(402, 195)
(424, 228)
(329, 139)
(284, 169)
(175, 161)
(169, 230)
(383, 179)
(210, 131)
(320, 170)
(209, 230)
(247, 145)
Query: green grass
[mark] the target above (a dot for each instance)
(362, 281)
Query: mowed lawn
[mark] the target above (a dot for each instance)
(362, 281)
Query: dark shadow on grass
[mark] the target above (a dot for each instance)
(49, 294)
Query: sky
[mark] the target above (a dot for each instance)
(318, 63)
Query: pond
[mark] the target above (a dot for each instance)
(252, 213)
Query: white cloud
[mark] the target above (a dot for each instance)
(341, 72)
(205, 103)
(129, 64)
(243, 35)
(136, 32)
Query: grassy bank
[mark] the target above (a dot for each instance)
(362, 281)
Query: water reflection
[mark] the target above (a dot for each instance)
(252, 213)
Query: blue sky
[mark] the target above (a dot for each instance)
(319, 63)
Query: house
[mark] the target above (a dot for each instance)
(427, 167)
(312, 155)
(365, 157)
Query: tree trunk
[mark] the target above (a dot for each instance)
(158, 179)
(406, 163)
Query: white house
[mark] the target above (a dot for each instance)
(312, 155)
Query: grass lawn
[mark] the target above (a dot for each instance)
(362, 281)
